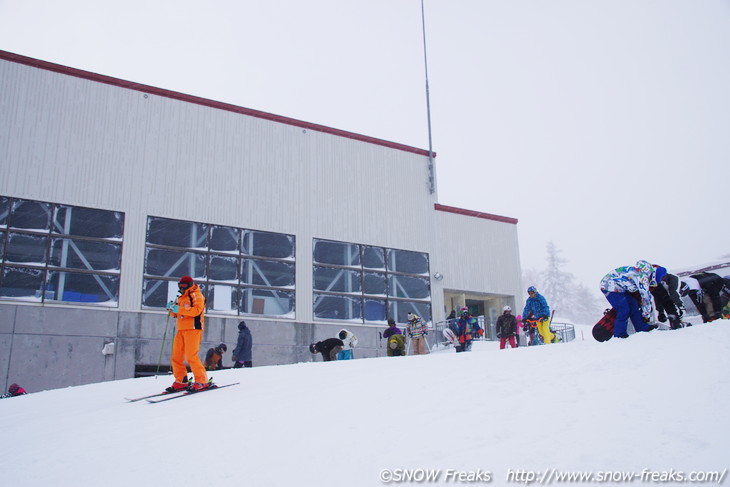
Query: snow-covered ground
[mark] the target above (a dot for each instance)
(655, 402)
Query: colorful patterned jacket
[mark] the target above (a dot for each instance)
(630, 279)
(417, 328)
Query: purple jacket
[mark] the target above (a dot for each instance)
(392, 330)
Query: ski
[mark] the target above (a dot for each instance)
(189, 393)
(135, 399)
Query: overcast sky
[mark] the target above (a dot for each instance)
(602, 125)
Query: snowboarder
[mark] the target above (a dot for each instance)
(329, 348)
(666, 298)
(214, 357)
(13, 390)
(506, 328)
(417, 331)
(242, 356)
(350, 341)
(705, 289)
(466, 328)
(536, 306)
(618, 286)
(189, 310)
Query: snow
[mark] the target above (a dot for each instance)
(654, 401)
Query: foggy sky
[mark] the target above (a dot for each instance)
(603, 126)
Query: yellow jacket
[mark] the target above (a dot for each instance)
(191, 309)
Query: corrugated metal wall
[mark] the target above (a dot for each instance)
(478, 255)
(80, 142)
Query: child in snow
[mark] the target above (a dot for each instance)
(506, 328)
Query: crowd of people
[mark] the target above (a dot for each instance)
(634, 292)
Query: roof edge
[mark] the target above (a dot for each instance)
(109, 80)
(475, 214)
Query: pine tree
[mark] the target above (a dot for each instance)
(557, 285)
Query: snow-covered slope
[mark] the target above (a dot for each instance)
(655, 401)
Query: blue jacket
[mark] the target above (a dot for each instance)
(242, 352)
(538, 306)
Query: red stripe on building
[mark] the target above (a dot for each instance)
(100, 78)
(475, 214)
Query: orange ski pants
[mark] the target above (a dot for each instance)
(185, 347)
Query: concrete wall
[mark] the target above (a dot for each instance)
(49, 347)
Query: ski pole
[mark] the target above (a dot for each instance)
(162, 347)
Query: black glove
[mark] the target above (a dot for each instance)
(662, 318)
(646, 319)
(499, 335)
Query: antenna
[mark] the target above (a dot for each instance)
(431, 175)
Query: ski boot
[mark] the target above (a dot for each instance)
(201, 386)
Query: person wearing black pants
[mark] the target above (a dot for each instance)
(242, 355)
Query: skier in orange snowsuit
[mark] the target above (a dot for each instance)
(189, 309)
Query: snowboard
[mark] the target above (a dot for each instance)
(451, 336)
(603, 330)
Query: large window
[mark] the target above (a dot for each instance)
(361, 283)
(240, 271)
(51, 252)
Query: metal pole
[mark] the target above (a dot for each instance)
(431, 176)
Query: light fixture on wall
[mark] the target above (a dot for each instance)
(438, 276)
(108, 349)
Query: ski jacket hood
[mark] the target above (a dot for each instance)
(348, 339)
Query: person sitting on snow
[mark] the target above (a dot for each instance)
(13, 390)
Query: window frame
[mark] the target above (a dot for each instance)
(47, 268)
(239, 286)
(389, 299)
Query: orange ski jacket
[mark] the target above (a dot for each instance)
(191, 309)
